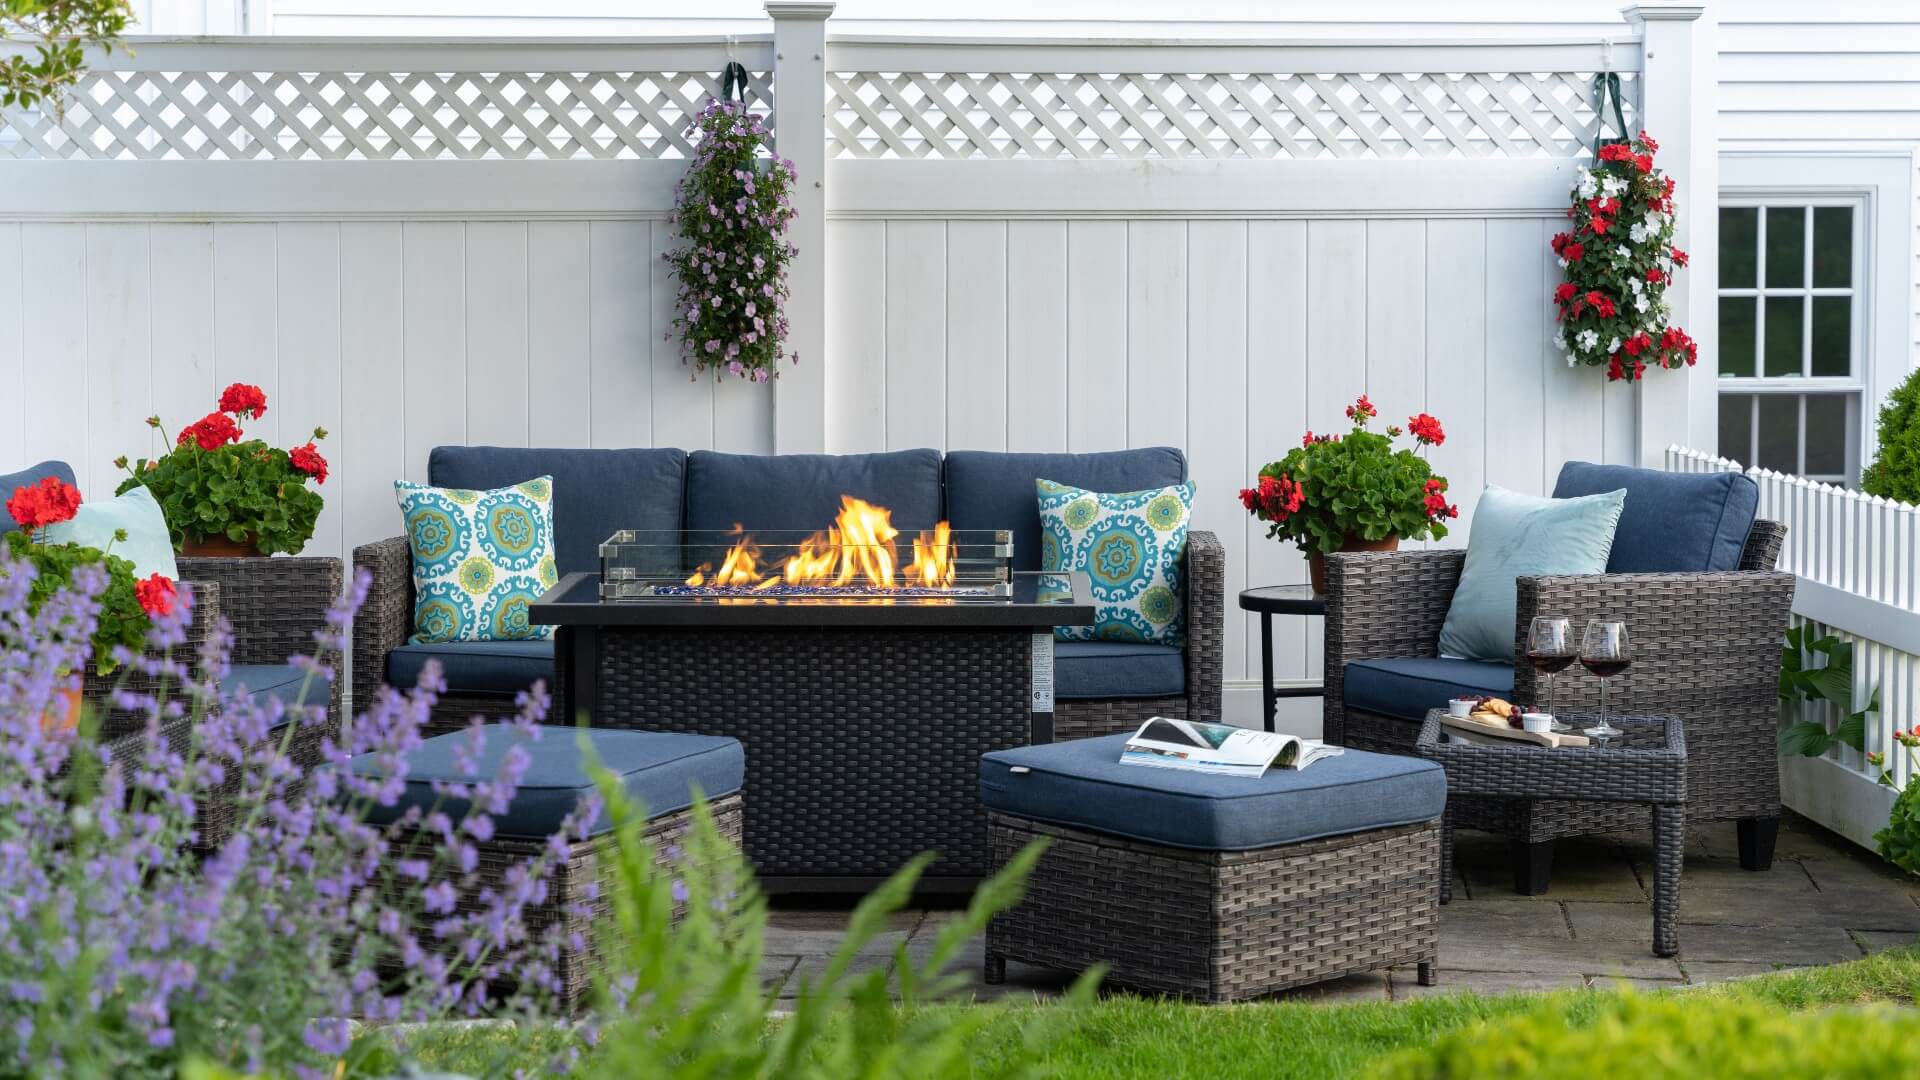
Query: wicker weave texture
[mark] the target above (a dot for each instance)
(862, 746)
(1220, 926)
(97, 690)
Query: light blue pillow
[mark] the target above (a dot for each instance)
(480, 559)
(148, 546)
(1517, 536)
(1130, 544)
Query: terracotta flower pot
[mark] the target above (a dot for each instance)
(1317, 564)
(64, 713)
(218, 546)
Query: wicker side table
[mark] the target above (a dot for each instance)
(1646, 765)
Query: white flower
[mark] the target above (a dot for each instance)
(1655, 219)
(1612, 185)
(1560, 339)
(1587, 339)
(1613, 346)
(1585, 183)
(1638, 234)
(1633, 284)
(1639, 301)
(1622, 251)
(1563, 263)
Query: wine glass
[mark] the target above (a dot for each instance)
(1605, 652)
(1550, 647)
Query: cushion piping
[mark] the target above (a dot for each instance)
(1159, 841)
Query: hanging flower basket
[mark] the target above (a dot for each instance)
(731, 214)
(1619, 259)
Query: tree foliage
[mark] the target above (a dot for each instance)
(60, 32)
(1895, 472)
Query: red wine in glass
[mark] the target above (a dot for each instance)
(1550, 646)
(1604, 652)
(1551, 664)
(1605, 669)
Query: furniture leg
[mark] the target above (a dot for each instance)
(1532, 866)
(1426, 975)
(1757, 836)
(1269, 701)
(583, 683)
(995, 971)
(1446, 855)
(1669, 854)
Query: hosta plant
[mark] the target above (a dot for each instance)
(1619, 259)
(215, 484)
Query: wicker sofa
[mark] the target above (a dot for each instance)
(1706, 648)
(1102, 687)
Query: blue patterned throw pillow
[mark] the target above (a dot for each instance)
(480, 559)
(1130, 546)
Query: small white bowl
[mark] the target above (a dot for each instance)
(1460, 706)
(1537, 722)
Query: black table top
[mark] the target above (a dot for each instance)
(1284, 600)
(575, 601)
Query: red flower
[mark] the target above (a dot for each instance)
(1614, 372)
(307, 459)
(1426, 429)
(1603, 206)
(1572, 252)
(246, 400)
(155, 595)
(1646, 140)
(1307, 439)
(1565, 292)
(1604, 305)
(1656, 275)
(1277, 497)
(1643, 162)
(211, 431)
(1437, 507)
(1362, 410)
(1679, 257)
(1561, 240)
(1637, 344)
(49, 502)
(1435, 483)
(1615, 152)
(1598, 226)
(1249, 498)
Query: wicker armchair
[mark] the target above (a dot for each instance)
(1206, 573)
(1706, 648)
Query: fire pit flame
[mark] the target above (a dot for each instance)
(858, 550)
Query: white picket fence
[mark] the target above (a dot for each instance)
(1858, 560)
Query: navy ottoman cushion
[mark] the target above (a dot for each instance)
(475, 667)
(27, 478)
(1671, 522)
(802, 491)
(660, 770)
(283, 681)
(1084, 670)
(987, 489)
(1082, 784)
(595, 492)
(1406, 687)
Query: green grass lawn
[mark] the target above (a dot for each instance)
(1128, 1036)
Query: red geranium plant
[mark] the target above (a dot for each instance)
(126, 604)
(217, 484)
(1335, 492)
(1619, 259)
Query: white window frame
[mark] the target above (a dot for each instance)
(1855, 383)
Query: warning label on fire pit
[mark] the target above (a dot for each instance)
(1043, 672)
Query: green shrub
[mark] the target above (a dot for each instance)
(1895, 472)
(1647, 1037)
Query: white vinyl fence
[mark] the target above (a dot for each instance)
(1859, 570)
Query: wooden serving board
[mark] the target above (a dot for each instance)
(1500, 730)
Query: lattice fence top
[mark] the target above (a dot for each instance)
(1385, 115)
(238, 115)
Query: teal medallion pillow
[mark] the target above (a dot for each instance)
(1516, 536)
(148, 546)
(480, 559)
(1130, 546)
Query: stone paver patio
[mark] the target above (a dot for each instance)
(1823, 902)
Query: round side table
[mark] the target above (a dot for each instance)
(1279, 600)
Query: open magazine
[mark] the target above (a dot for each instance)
(1218, 748)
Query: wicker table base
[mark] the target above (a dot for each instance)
(1646, 766)
(1220, 925)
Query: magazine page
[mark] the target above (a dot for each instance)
(1201, 747)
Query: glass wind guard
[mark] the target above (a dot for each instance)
(940, 564)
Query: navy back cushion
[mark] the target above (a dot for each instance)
(596, 493)
(27, 478)
(1672, 522)
(802, 492)
(987, 489)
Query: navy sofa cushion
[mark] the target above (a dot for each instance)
(502, 668)
(1117, 669)
(1672, 522)
(802, 491)
(283, 681)
(595, 492)
(1083, 784)
(26, 478)
(1406, 687)
(987, 489)
(659, 770)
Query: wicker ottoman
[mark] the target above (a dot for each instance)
(1210, 887)
(660, 771)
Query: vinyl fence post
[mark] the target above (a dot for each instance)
(800, 134)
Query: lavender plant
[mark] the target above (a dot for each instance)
(130, 952)
(732, 210)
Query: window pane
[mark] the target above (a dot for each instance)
(1832, 335)
(1736, 335)
(1786, 246)
(1827, 434)
(1736, 427)
(1780, 432)
(1739, 246)
(1784, 317)
(1832, 246)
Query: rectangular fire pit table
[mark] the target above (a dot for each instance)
(863, 719)
(1646, 764)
